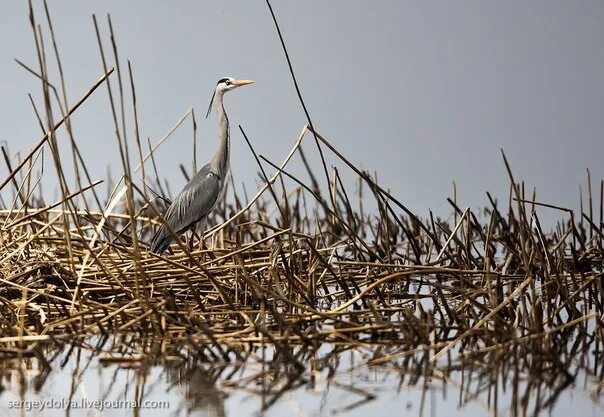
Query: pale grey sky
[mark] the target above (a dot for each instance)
(423, 92)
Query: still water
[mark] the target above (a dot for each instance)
(89, 381)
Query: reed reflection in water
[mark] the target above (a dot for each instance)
(334, 379)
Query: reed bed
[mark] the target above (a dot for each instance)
(299, 266)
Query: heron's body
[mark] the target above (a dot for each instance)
(203, 191)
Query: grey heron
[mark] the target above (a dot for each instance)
(200, 195)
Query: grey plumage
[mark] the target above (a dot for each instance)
(190, 206)
(200, 195)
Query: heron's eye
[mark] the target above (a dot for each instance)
(228, 82)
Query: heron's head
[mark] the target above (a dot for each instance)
(230, 83)
(226, 84)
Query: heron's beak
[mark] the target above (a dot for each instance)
(240, 83)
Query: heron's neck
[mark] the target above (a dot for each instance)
(220, 162)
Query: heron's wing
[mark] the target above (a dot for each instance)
(195, 201)
(190, 206)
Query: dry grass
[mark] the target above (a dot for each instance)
(295, 268)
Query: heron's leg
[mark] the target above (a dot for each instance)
(204, 247)
(198, 236)
(191, 240)
(202, 243)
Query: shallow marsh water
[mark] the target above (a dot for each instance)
(82, 382)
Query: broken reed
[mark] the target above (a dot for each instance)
(299, 265)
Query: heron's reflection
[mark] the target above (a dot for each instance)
(201, 394)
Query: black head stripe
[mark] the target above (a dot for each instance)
(223, 80)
